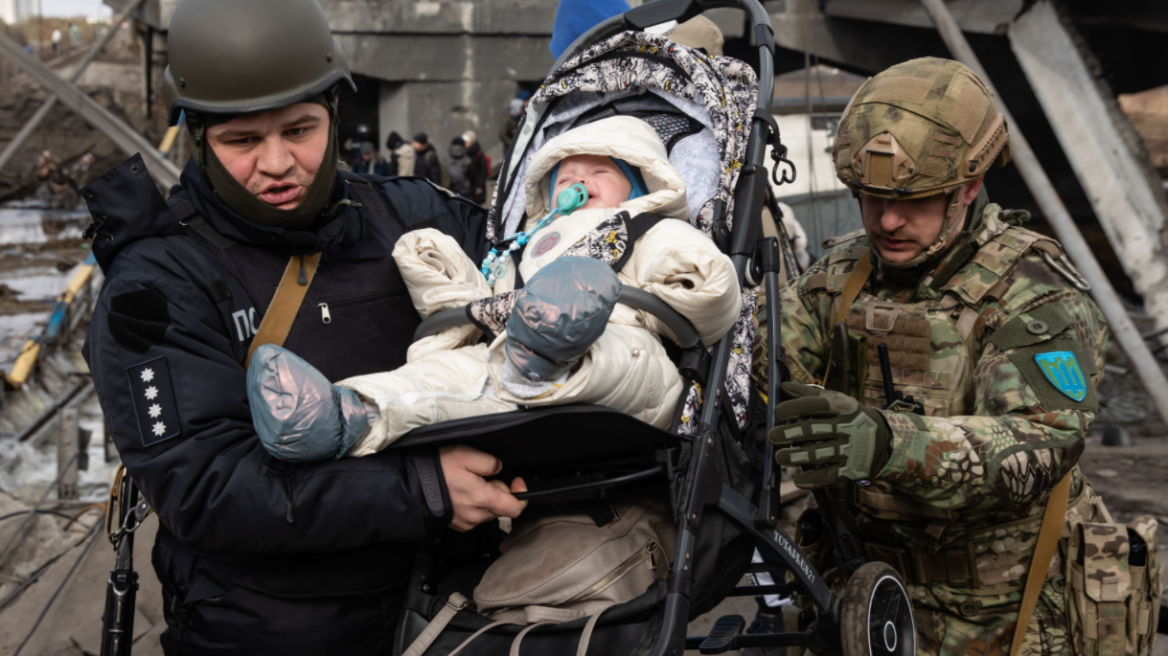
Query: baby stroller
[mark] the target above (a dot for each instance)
(713, 114)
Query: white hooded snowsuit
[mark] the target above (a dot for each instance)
(448, 376)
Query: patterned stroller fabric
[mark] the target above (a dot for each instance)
(723, 90)
(726, 87)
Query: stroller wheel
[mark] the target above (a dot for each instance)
(876, 614)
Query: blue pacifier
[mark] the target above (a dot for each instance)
(569, 200)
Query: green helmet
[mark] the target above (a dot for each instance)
(241, 56)
(920, 128)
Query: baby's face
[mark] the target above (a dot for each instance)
(606, 184)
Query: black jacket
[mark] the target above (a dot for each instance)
(427, 165)
(173, 324)
(477, 174)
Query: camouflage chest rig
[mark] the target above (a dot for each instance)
(928, 330)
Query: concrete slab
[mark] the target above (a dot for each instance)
(417, 58)
(980, 16)
(410, 17)
(800, 25)
(1122, 189)
(444, 110)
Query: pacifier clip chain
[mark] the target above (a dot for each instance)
(494, 267)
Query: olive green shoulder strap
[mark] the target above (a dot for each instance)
(852, 287)
(1048, 538)
(286, 302)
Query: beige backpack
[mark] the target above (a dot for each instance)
(560, 568)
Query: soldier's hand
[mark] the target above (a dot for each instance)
(829, 435)
(474, 499)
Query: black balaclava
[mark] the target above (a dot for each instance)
(238, 198)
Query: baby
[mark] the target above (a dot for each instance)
(565, 339)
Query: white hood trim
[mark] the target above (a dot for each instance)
(621, 137)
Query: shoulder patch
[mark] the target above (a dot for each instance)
(1063, 371)
(154, 405)
(138, 319)
(1053, 370)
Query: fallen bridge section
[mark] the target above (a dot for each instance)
(165, 173)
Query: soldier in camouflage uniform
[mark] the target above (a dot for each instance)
(987, 327)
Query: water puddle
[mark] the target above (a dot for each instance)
(32, 274)
(34, 269)
(27, 223)
(37, 283)
(26, 470)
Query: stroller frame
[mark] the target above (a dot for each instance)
(748, 254)
(754, 260)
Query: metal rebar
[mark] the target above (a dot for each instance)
(27, 520)
(1122, 329)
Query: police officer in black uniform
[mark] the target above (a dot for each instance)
(258, 556)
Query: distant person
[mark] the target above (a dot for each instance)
(428, 165)
(797, 235)
(363, 161)
(56, 43)
(74, 36)
(459, 164)
(381, 165)
(401, 155)
(480, 167)
(514, 111)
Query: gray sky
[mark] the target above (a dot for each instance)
(75, 8)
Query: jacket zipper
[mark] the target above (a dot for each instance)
(377, 294)
(288, 502)
(643, 554)
(325, 317)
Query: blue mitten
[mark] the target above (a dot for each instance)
(558, 314)
(298, 414)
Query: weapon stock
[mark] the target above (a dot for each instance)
(117, 622)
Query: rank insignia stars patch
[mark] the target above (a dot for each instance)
(153, 398)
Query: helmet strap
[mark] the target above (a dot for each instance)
(238, 198)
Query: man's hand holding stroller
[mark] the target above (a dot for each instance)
(474, 499)
(830, 435)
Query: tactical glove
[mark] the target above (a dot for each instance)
(831, 436)
(298, 414)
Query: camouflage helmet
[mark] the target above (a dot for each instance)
(919, 128)
(236, 57)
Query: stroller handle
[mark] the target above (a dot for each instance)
(663, 11)
(637, 299)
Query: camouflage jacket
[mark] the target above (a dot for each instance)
(1004, 353)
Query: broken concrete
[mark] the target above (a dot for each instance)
(1124, 191)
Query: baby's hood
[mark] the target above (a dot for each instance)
(622, 137)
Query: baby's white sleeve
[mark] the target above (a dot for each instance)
(683, 267)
